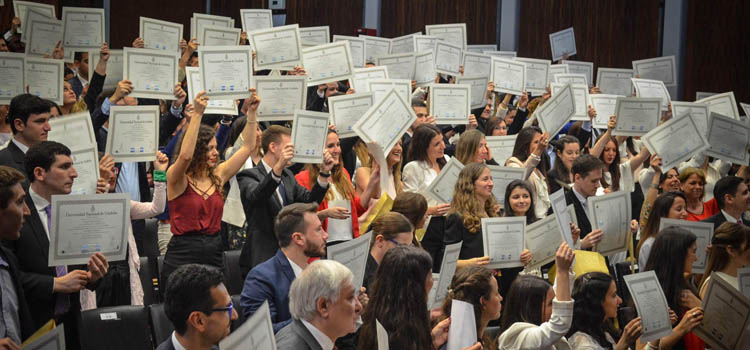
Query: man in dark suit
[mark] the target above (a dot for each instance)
(269, 187)
(28, 117)
(587, 175)
(199, 306)
(12, 210)
(733, 197)
(301, 237)
(54, 289)
(319, 319)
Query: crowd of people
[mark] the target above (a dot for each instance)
(288, 209)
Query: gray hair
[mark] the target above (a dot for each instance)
(321, 279)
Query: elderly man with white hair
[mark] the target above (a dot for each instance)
(324, 307)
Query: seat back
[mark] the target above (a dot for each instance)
(233, 279)
(161, 326)
(146, 275)
(115, 328)
(240, 316)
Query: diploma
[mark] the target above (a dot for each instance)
(580, 67)
(571, 78)
(556, 112)
(501, 147)
(382, 336)
(581, 96)
(400, 66)
(281, 96)
(537, 75)
(450, 103)
(424, 43)
(255, 333)
(614, 81)
(562, 43)
(675, 141)
(199, 20)
(133, 133)
(375, 47)
(572, 214)
(611, 214)
(381, 87)
(340, 230)
(724, 104)
(726, 314)
(153, 73)
(195, 85)
(74, 131)
(501, 177)
(84, 28)
(279, 46)
(82, 225)
(660, 68)
(697, 111)
(21, 8)
(346, 110)
(462, 332)
(352, 254)
(363, 76)
(652, 88)
(255, 19)
(309, 136)
(743, 279)
(728, 139)
(447, 270)
(636, 116)
(218, 36)
(480, 48)
(604, 105)
(448, 58)
(13, 81)
(114, 66)
(441, 189)
(400, 116)
(503, 241)
(356, 48)
(746, 108)
(651, 305)
(555, 69)
(508, 75)
(542, 239)
(328, 62)
(424, 68)
(477, 64)
(226, 71)
(44, 78)
(560, 212)
(51, 340)
(403, 44)
(159, 35)
(314, 36)
(42, 34)
(454, 34)
(703, 232)
(86, 163)
(478, 86)
(501, 54)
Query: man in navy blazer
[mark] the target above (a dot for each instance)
(301, 237)
(733, 197)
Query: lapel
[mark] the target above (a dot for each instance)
(286, 268)
(274, 198)
(37, 228)
(305, 334)
(17, 154)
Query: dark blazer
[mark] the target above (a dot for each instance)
(166, 345)
(260, 203)
(295, 336)
(13, 157)
(455, 231)
(719, 219)
(269, 281)
(76, 85)
(24, 315)
(581, 215)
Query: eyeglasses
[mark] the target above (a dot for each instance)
(228, 309)
(400, 244)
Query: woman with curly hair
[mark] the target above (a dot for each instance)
(594, 308)
(477, 286)
(194, 184)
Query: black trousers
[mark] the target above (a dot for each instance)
(191, 249)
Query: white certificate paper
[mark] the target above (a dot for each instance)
(42, 34)
(84, 28)
(85, 224)
(481, 48)
(743, 279)
(571, 78)
(328, 62)
(424, 68)
(277, 47)
(703, 231)
(392, 108)
(560, 212)
(20, 9)
(133, 133)
(614, 81)
(74, 131)
(726, 314)
(356, 47)
(153, 72)
(581, 67)
(380, 88)
(450, 103)
(199, 20)
(226, 71)
(424, 43)
(44, 78)
(309, 136)
(723, 103)
(728, 138)
(698, 111)
(86, 163)
(219, 36)
(363, 76)
(636, 116)
(605, 106)
(448, 58)
(12, 70)
(651, 305)
(562, 42)
(256, 19)
(508, 75)
(441, 189)
(281, 96)
(375, 47)
(501, 177)
(611, 213)
(255, 333)
(314, 36)
(447, 270)
(477, 64)
(555, 69)
(160, 35)
(403, 44)
(652, 88)
(462, 332)
(52, 340)
(660, 68)
(676, 141)
(352, 254)
(581, 95)
(454, 34)
(114, 66)
(195, 85)
(382, 336)
(501, 54)
(478, 86)
(537, 75)
(556, 112)
(346, 110)
(400, 66)
(503, 240)
(501, 147)
(542, 239)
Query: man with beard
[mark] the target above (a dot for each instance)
(301, 237)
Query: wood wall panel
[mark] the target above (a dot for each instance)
(717, 49)
(402, 17)
(125, 14)
(609, 33)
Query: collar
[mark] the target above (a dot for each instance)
(295, 268)
(39, 202)
(20, 145)
(322, 339)
(176, 343)
(729, 217)
(268, 168)
(580, 197)
(84, 82)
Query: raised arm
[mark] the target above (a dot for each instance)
(227, 169)
(601, 143)
(176, 175)
(101, 65)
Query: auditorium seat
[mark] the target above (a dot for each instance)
(233, 279)
(161, 327)
(240, 318)
(115, 328)
(146, 274)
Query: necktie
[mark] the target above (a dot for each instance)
(62, 304)
(282, 192)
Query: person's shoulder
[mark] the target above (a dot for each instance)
(289, 338)
(166, 345)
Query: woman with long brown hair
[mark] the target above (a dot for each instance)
(617, 175)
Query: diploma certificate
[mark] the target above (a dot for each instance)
(611, 214)
(226, 71)
(356, 48)
(703, 231)
(501, 54)
(314, 36)
(346, 110)
(153, 72)
(133, 133)
(450, 103)
(424, 43)
(393, 108)
(160, 35)
(255, 333)
(403, 44)
(375, 47)
(615, 81)
(698, 111)
(363, 76)
(652, 88)
(448, 58)
(281, 96)
(562, 43)
(743, 279)
(42, 34)
(52, 340)
(581, 95)
(455, 33)
(441, 189)
(636, 116)
(676, 141)
(199, 20)
(651, 305)
(86, 163)
(605, 106)
(503, 240)
(327, 63)
(381, 87)
(571, 78)
(352, 254)
(447, 270)
(580, 67)
(537, 75)
(726, 314)
(480, 48)
(724, 104)
(74, 131)
(660, 68)
(44, 78)
(542, 238)
(424, 68)
(195, 85)
(501, 147)
(556, 112)
(728, 139)
(12, 70)
(218, 36)
(400, 66)
(279, 46)
(501, 177)
(84, 28)
(309, 136)
(114, 66)
(478, 86)
(256, 19)
(508, 75)
(477, 64)
(555, 69)
(560, 212)
(21, 8)
(82, 225)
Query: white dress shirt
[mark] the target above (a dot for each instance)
(322, 339)
(39, 204)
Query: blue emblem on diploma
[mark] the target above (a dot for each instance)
(85, 248)
(231, 87)
(141, 150)
(148, 87)
(223, 88)
(132, 149)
